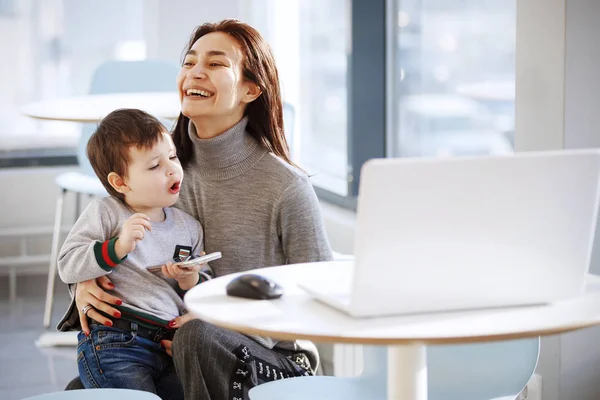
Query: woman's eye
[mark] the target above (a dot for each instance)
(215, 64)
(188, 63)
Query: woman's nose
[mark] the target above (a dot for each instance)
(198, 71)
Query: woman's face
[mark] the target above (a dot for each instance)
(210, 82)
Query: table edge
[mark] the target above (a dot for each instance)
(398, 341)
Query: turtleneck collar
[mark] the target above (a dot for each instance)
(227, 155)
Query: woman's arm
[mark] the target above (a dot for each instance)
(301, 224)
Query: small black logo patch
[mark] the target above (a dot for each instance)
(182, 253)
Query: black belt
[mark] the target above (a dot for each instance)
(153, 334)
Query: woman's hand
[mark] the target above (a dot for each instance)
(176, 323)
(93, 292)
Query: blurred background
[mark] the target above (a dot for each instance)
(452, 72)
(363, 78)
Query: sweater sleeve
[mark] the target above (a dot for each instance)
(301, 225)
(88, 251)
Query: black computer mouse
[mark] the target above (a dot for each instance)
(252, 286)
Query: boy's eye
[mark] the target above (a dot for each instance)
(173, 158)
(154, 167)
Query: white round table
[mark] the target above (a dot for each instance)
(297, 316)
(94, 107)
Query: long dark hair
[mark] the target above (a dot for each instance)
(265, 114)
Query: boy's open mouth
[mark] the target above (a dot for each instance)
(175, 188)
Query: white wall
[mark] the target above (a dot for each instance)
(169, 24)
(558, 92)
(29, 200)
(580, 361)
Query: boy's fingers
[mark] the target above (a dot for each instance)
(140, 215)
(166, 272)
(142, 222)
(137, 234)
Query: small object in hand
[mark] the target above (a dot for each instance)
(192, 262)
(253, 286)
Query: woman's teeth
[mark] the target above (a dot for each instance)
(198, 92)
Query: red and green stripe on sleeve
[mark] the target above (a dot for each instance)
(106, 255)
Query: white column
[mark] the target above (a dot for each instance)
(407, 372)
(540, 75)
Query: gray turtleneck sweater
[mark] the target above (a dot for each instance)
(256, 209)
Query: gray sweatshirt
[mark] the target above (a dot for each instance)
(88, 252)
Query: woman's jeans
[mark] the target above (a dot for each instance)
(112, 358)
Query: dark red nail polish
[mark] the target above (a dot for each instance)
(108, 323)
(119, 302)
(117, 314)
(111, 285)
(172, 323)
(87, 334)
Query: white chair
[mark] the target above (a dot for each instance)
(97, 394)
(482, 371)
(110, 77)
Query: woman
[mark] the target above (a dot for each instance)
(256, 207)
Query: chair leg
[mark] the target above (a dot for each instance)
(53, 259)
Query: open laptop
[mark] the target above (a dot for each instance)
(463, 233)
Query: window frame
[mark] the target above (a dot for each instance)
(369, 122)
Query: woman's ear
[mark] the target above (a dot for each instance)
(252, 92)
(118, 183)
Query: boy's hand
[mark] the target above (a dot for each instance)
(133, 231)
(186, 277)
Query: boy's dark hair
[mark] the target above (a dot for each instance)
(108, 147)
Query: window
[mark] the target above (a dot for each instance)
(454, 77)
(54, 47)
(310, 42)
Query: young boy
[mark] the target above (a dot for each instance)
(124, 234)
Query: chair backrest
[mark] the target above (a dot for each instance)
(126, 77)
(97, 394)
(467, 372)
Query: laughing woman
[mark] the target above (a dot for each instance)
(256, 206)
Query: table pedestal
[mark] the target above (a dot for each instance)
(407, 372)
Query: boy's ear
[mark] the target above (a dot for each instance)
(118, 183)
(252, 92)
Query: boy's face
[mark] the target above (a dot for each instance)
(153, 176)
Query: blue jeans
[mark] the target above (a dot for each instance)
(112, 358)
